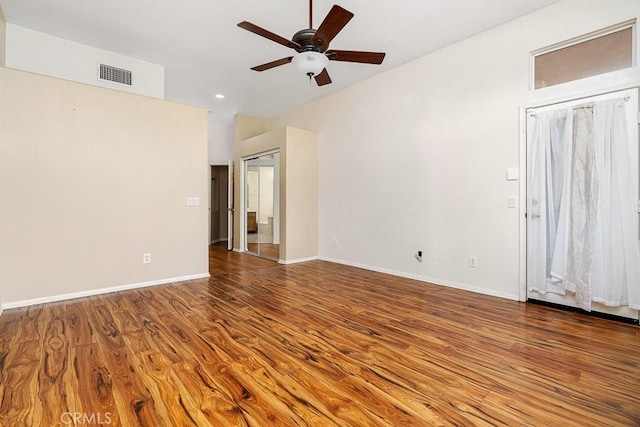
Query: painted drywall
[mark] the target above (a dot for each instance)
(415, 158)
(301, 171)
(298, 191)
(220, 139)
(246, 127)
(90, 179)
(41, 53)
(3, 38)
(3, 31)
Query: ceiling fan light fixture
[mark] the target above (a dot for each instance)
(310, 62)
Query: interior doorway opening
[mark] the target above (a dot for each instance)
(219, 204)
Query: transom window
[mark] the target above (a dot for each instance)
(590, 55)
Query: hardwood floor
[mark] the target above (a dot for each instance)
(313, 344)
(223, 261)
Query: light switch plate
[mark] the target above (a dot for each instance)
(513, 174)
(193, 201)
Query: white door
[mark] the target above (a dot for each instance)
(533, 214)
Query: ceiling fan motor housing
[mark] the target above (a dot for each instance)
(303, 38)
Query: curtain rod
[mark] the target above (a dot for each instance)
(532, 113)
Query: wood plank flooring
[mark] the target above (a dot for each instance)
(318, 344)
(222, 261)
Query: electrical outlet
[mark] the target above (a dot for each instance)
(146, 258)
(418, 256)
(334, 242)
(473, 261)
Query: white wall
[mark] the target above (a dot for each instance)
(220, 143)
(42, 53)
(415, 158)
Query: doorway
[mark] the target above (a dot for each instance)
(219, 209)
(262, 205)
(582, 244)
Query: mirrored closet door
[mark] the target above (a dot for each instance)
(261, 207)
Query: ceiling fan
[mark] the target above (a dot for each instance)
(313, 46)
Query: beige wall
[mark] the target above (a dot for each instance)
(90, 179)
(301, 170)
(247, 127)
(298, 184)
(3, 39)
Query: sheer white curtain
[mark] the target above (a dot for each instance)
(582, 224)
(549, 149)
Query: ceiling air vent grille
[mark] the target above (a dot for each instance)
(113, 74)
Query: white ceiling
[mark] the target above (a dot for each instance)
(205, 53)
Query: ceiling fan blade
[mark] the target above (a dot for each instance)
(268, 35)
(356, 56)
(272, 64)
(335, 21)
(323, 78)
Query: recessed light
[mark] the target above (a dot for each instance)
(219, 96)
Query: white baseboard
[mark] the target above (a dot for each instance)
(297, 261)
(440, 282)
(92, 292)
(224, 239)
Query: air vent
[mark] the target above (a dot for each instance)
(113, 74)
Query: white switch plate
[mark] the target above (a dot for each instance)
(473, 261)
(193, 201)
(513, 174)
(512, 202)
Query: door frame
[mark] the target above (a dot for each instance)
(230, 207)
